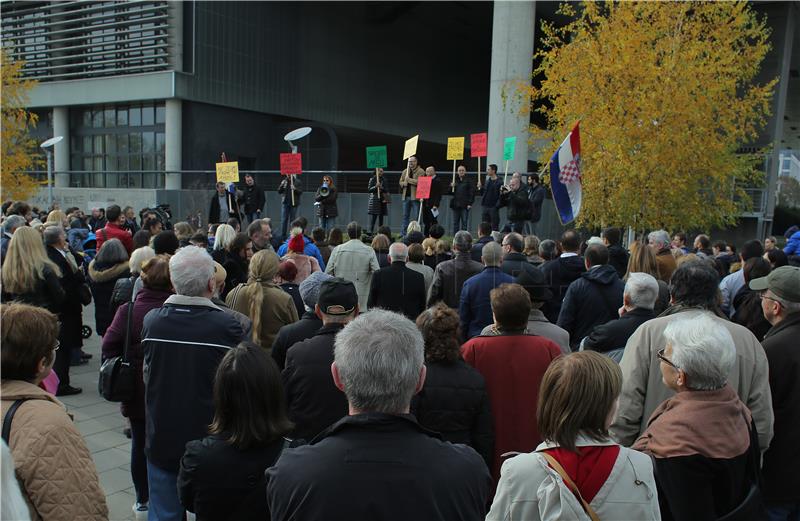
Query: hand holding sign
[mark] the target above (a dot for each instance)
(376, 157)
(228, 172)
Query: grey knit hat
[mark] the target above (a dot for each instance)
(309, 288)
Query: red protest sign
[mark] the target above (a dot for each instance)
(424, 187)
(477, 144)
(291, 164)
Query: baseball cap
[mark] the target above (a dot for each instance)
(784, 282)
(337, 296)
(309, 288)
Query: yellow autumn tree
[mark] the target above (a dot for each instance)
(666, 96)
(18, 151)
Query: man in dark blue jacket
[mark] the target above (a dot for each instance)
(183, 343)
(484, 236)
(561, 271)
(593, 299)
(475, 309)
(490, 196)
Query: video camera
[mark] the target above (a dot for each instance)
(162, 213)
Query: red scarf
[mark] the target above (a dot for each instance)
(589, 468)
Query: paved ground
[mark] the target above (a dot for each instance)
(101, 424)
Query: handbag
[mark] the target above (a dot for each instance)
(117, 382)
(571, 485)
(85, 294)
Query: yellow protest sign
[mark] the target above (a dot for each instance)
(228, 172)
(455, 148)
(411, 147)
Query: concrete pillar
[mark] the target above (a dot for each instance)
(173, 138)
(512, 62)
(61, 152)
(175, 35)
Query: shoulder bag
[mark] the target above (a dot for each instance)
(570, 485)
(117, 382)
(9, 417)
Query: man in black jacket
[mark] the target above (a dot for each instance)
(313, 400)
(430, 206)
(484, 236)
(252, 198)
(592, 299)
(617, 255)
(536, 195)
(449, 276)
(183, 343)
(638, 300)
(378, 462)
(490, 196)
(463, 198)
(397, 287)
(309, 323)
(514, 262)
(223, 206)
(561, 271)
(515, 196)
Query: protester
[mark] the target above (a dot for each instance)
(306, 264)
(548, 250)
(378, 449)
(58, 477)
(484, 236)
(643, 260)
(125, 288)
(222, 475)
(263, 301)
(576, 403)
(731, 284)
(156, 289)
(28, 275)
(223, 205)
(454, 401)
(396, 287)
(639, 297)
(536, 196)
(187, 336)
(474, 308)
(592, 299)
(153, 226)
(560, 272)
(114, 229)
(356, 262)
(416, 256)
(450, 275)
(490, 197)
(252, 200)
(462, 201)
(140, 239)
(514, 261)
(700, 439)
(430, 206)
(780, 301)
(318, 236)
(379, 198)
(326, 208)
(285, 279)
(617, 256)
(76, 235)
(110, 265)
(694, 290)
(408, 192)
(380, 244)
(290, 199)
(199, 239)
(748, 302)
(531, 250)
(237, 260)
(513, 364)
(659, 242)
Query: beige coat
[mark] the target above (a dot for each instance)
(411, 181)
(643, 391)
(54, 468)
(356, 262)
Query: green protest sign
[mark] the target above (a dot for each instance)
(376, 157)
(508, 148)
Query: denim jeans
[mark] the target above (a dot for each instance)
(252, 216)
(410, 209)
(139, 461)
(783, 511)
(288, 213)
(164, 505)
(460, 220)
(491, 216)
(326, 222)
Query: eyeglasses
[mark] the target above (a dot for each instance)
(660, 355)
(764, 295)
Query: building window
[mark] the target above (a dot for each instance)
(118, 146)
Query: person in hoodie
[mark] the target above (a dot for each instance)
(617, 255)
(561, 271)
(76, 235)
(593, 299)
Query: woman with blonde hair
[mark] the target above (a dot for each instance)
(29, 276)
(183, 231)
(58, 217)
(306, 264)
(223, 237)
(643, 260)
(263, 301)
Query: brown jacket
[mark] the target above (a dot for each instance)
(277, 310)
(411, 181)
(666, 264)
(53, 465)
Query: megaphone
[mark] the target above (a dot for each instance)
(325, 190)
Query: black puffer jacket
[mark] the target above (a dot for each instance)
(455, 403)
(102, 280)
(377, 206)
(327, 203)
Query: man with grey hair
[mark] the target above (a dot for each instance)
(449, 276)
(309, 322)
(694, 290)
(514, 261)
(356, 262)
(638, 301)
(260, 233)
(660, 244)
(474, 308)
(397, 287)
(10, 225)
(183, 343)
(357, 466)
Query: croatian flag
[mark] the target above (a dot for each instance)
(565, 177)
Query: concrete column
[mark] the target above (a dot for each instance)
(512, 62)
(173, 138)
(61, 152)
(175, 35)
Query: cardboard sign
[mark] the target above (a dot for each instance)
(477, 144)
(291, 163)
(508, 148)
(455, 148)
(411, 147)
(376, 157)
(424, 187)
(228, 172)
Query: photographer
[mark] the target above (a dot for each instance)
(326, 203)
(515, 196)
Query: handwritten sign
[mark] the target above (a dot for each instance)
(508, 148)
(477, 144)
(455, 148)
(291, 164)
(411, 147)
(424, 187)
(228, 172)
(376, 157)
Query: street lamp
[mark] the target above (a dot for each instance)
(48, 148)
(293, 136)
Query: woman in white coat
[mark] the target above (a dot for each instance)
(578, 472)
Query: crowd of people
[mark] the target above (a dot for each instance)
(338, 374)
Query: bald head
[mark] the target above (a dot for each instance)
(492, 254)
(398, 252)
(430, 171)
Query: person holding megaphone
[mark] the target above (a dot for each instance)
(327, 210)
